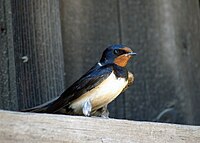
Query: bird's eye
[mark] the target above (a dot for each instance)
(116, 52)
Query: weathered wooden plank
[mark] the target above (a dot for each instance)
(166, 36)
(8, 96)
(22, 127)
(88, 27)
(37, 51)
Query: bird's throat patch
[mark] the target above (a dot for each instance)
(122, 60)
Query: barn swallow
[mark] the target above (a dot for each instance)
(91, 94)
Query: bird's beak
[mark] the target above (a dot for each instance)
(132, 53)
(128, 51)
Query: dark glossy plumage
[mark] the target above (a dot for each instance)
(94, 77)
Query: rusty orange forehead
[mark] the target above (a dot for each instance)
(127, 49)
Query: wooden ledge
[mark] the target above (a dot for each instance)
(32, 127)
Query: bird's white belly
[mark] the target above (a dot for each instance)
(101, 95)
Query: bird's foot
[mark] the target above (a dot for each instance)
(102, 112)
(87, 108)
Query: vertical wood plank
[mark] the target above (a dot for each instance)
(38, 51)
(189, 31)
(165, 34)
(8, 96)
(88, 27)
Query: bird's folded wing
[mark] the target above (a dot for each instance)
(87, 82)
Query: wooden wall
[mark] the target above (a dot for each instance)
(165, 35)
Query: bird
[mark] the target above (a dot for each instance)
(92, 92)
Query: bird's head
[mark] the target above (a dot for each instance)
(118, 54)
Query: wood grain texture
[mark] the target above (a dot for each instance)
(83, 42)
(8, 92)
(37, 51)
(22, 127)
(166, 37)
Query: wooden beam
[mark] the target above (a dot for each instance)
(32, 127)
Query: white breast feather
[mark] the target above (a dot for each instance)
(103, 94)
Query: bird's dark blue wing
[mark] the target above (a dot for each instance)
(91, 79)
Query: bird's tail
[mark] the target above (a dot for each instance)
(37, 109)
(40, 108)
